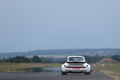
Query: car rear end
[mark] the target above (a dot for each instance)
(72, 66)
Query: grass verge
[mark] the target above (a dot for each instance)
(12, 67)
(110, 69)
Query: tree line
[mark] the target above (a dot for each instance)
(37, 59)
(95, 59)
(34, 59)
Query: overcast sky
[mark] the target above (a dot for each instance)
(59, 24)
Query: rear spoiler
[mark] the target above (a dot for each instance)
(75, 62)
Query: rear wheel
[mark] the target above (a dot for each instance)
(87, 73)
(63, 73)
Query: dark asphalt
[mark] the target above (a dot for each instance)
(52, 76)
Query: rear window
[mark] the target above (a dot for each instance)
(76, 59)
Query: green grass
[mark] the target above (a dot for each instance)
(110, 69)
(13, 67)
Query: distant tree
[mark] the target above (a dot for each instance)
(61, 60)
(18, 59)
(46, 60)
(93, 59)
(36, 59)
(116, 57)
(1, 61)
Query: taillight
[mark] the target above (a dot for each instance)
(66, 67)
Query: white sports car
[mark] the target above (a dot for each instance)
(76, 64)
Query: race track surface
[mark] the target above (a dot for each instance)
(52, 76)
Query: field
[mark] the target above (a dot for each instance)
(110, 69)
(12, 67)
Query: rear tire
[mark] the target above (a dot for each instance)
(63, 73)
(87, 73)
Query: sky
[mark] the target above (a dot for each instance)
(27, 25)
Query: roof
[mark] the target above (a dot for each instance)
(107, 60)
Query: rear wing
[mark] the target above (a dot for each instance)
(82, 57)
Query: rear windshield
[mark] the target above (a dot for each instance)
(76, 59)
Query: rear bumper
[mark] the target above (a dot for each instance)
(81, 70)
(75, 72)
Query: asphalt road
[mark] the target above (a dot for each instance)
(52, 76)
